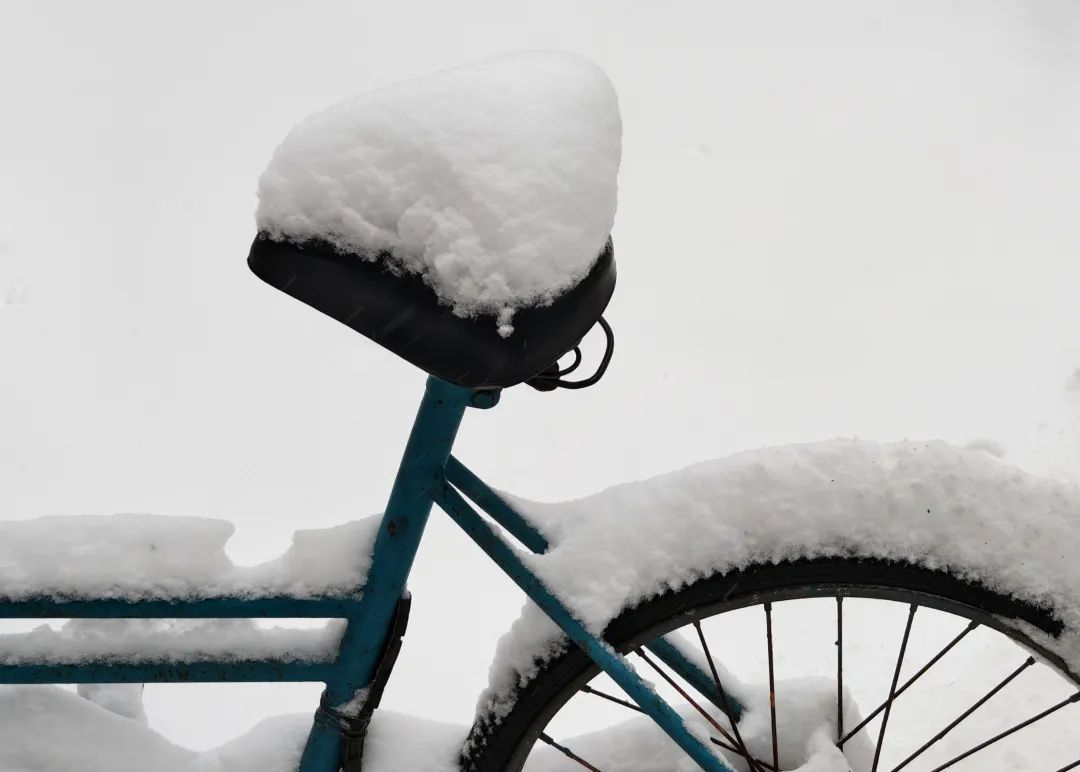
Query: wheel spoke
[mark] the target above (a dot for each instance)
(1012, 730)
(755, 763)
(682, 693)
(892, 689)
(921, 672)
(568, 753)
(963, 716)
(1067, 767)
(840, 671)
(724, 698)
(611, 698)
(772, 685)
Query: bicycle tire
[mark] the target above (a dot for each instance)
(503, 744)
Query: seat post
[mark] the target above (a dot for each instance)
(426, 452)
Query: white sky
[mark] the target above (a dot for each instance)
(838, 218)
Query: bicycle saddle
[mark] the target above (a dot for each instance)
(460, 220)
(401, 313)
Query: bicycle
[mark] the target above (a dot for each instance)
(468, 366)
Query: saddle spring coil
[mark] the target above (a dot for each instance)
(551, 377)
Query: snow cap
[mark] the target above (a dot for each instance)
(494, 181)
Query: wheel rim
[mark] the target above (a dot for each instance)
(922, 593)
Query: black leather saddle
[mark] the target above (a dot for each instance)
(401, 313)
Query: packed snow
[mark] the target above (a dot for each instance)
(136, 557)
(495, 182)
(930, 503)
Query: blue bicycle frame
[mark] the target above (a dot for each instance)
(428, 475)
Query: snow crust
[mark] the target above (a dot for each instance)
(495, 181)
(926, 503)
(135, 557)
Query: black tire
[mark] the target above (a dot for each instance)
(504, 746)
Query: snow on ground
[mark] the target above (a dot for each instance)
(49, 729)
(122, 699)
(104, 742)
(495, 181)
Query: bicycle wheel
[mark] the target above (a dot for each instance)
(908, 669)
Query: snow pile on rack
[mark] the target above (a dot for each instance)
(495, 181)
(170, 640)
(925, 503)
(151, 556)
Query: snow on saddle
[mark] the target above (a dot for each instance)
(459, 220)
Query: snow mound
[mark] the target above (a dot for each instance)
(495, 181)
(929, 503)
(49, 729)
(135, 557)
(122, 699)
(94, 740)
(639, 745)
(395, 743)
(273, 745)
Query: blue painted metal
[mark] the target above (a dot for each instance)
(407, 511)
(176, 608)
(602, 654)
(489, 501)
(701, 680)
(165, 672)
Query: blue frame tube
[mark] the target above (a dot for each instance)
(488, 500)
(179, 608)
(428, 448)
(209, 671)
(602, 654)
